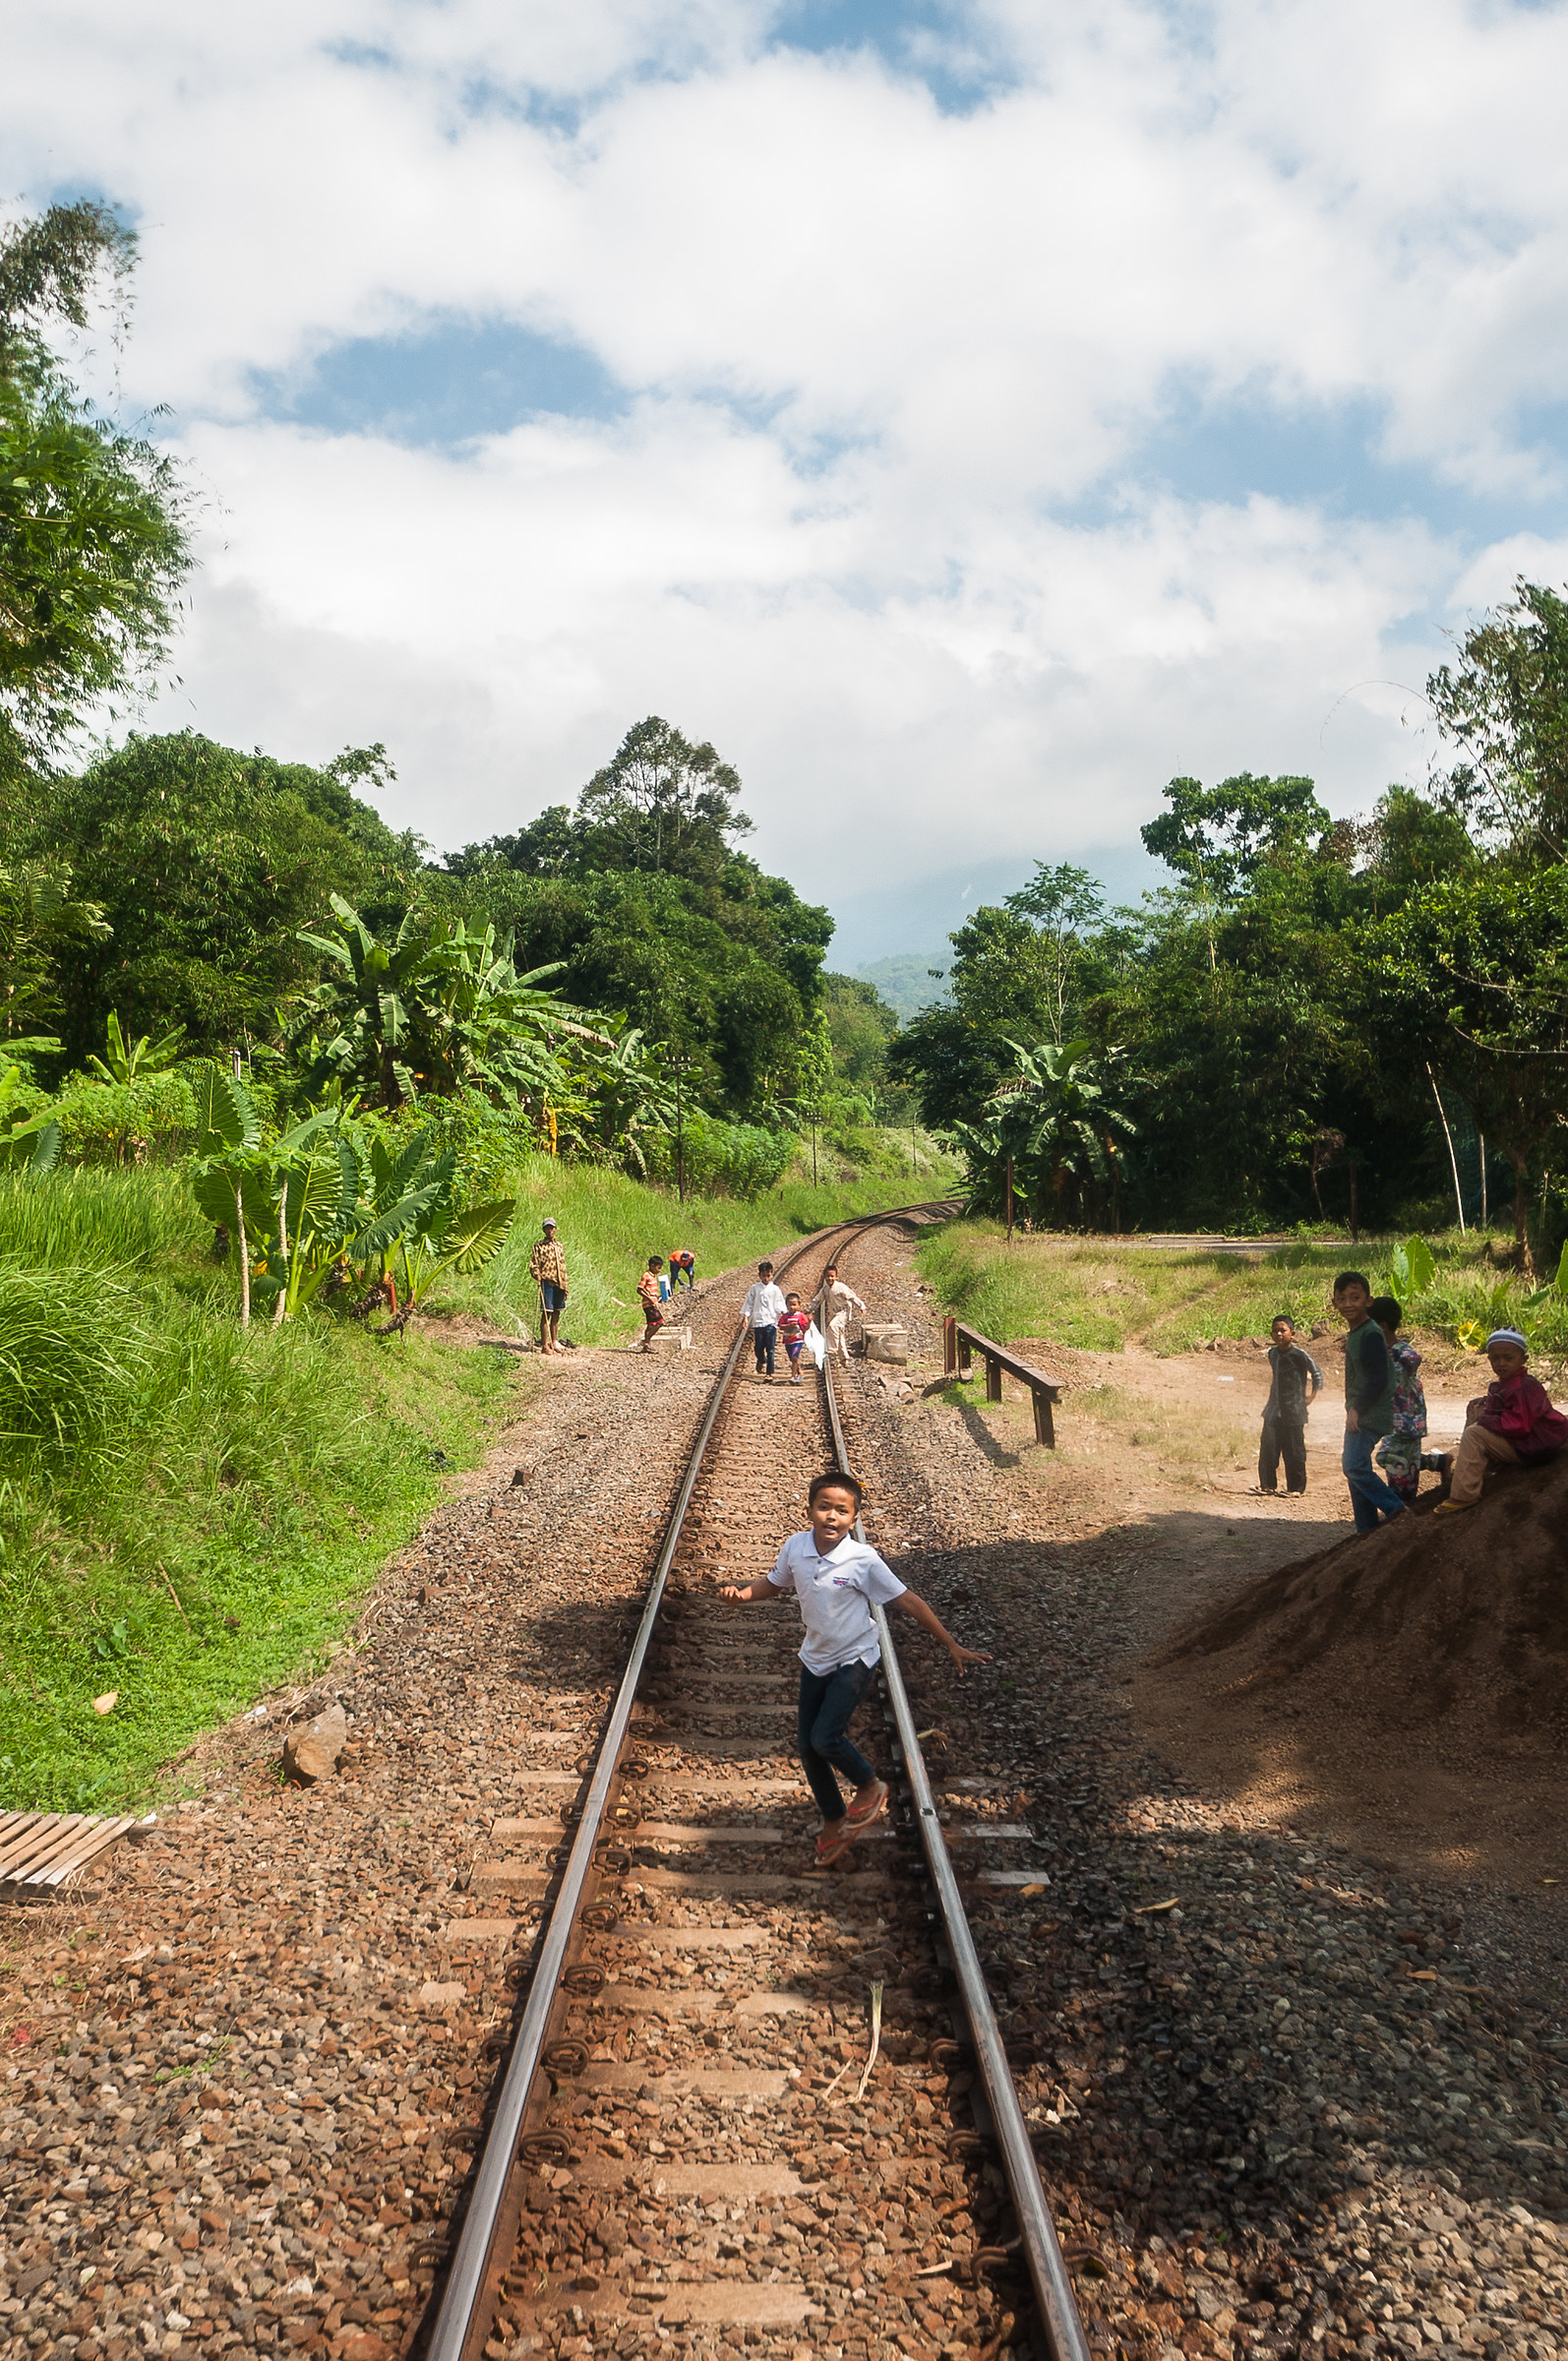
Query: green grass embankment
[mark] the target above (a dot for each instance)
(611, 1224)
(1099, 1296)
(189, 1516)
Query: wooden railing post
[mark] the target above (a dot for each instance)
(1045, 1424)
(965, 1361)
(993, 1378)
(950, 1346)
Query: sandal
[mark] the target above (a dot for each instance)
(834, 1839)
(862, 1815)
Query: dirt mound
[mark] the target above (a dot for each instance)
(1452, 1628)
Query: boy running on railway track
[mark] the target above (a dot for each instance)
(836, 1580)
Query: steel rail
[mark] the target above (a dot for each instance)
(469, 2265)
(1042, 2248)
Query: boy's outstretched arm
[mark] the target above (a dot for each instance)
(761, 1588)
(914, 1604)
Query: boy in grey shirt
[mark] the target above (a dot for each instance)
(1295, 1379)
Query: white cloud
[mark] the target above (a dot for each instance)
(977, 317)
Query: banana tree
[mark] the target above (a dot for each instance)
(144, 1057)
(1054, 1126)
(440, 1008)
(630, 1096)
(228, 1173)
(415, 1232)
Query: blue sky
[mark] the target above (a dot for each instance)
(968, 417)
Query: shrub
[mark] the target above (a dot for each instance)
(722, 1160)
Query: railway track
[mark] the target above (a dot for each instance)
(747, 2101)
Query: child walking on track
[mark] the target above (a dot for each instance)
(836, 1579)
(761, 1312)
(792, 1330)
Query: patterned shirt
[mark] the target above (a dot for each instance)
(1410, 1397)
(547, 1264)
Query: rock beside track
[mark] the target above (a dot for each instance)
(313, 1752)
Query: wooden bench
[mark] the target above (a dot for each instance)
(961, 1343)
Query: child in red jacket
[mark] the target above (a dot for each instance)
(1512, 1425)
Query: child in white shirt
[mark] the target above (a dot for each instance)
(835, 1579)
(761, 1312)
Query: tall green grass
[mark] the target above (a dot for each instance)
(187, 1515)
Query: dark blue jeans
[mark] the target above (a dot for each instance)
(828, 1704)
(1368, 1493)
(765, 1340)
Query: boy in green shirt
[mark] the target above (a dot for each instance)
(1368, 1402)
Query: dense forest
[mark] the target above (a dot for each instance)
(1313, 1021)
(1363, 1021)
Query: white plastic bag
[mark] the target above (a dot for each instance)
(814, 1344)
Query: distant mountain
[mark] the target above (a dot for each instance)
(905, 982)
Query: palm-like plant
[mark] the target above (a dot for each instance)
(131, 1063)
(312, 1207)
(1054, 1120)
(27, 1142)
(440, 1007)
(630, 1094)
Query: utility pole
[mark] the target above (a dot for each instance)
(680, 1133)
(1009, 1200)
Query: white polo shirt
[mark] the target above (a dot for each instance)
(836, 1594)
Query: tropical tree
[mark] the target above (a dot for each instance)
(439, 1007)
(662, 803)
(1504, 708)
(41, 924)
(1050, 1135)
(94, 522)
(1471, 978)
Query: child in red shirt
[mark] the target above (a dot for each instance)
(1512, 1425)
(792, 1334)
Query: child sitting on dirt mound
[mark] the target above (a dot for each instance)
(1511, 1426)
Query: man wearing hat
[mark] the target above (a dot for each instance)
(547, 1266)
